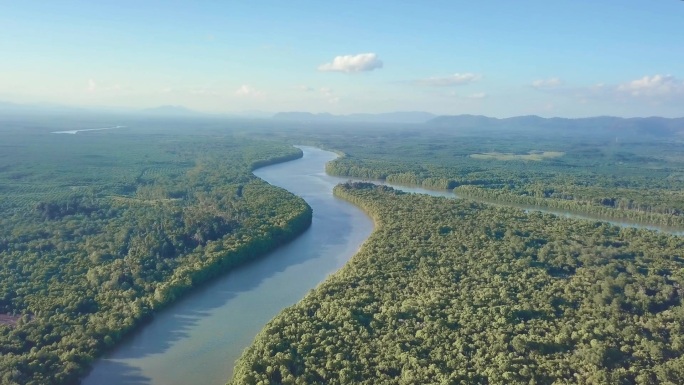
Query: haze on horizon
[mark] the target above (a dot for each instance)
(562, 58)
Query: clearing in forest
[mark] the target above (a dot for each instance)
(532, 155)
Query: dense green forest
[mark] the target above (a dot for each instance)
(664, 214)
(100, 229)
(617, 168)
(637, 178)
(451, 291)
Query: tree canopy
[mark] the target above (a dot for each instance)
(451, 291)
(99, 231)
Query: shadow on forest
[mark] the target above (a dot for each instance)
(330, 235)
(174, 323)
(113, 372)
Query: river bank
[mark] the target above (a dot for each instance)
(201, 335)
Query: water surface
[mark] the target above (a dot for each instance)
(73, 132)
(529, 208)
(198, 339)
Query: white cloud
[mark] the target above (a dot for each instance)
(93, 87)
(203, 91)
(456, 79)
(650, 90)
(304, 88)
(353, 63)
(478, 95)
(248, 91)
(547, 83)
(329, 95)
(656, 85)
(473, 96)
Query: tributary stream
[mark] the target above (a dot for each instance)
(197, 339)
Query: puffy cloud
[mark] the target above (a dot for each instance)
(656, 85)
(547, 83)
(456, 79)
(353, 63)
(248, 91)
(647, 90)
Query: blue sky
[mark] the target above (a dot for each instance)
(550, 58)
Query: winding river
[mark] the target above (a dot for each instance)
(198, 339)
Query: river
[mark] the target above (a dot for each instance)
(73, 132)
(197, 339)
(528, 208)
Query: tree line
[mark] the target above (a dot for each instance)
(84, 266)
(452, 291)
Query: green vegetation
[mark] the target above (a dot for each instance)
(622, 168)
(660, 213)
(450, 291)
(100, 229)
(636, 177)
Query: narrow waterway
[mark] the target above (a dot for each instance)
(73, 132)
(528, 208)
(198, 339)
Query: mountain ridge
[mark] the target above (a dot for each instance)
(409, 117)
(653, 125)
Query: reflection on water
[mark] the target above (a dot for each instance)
(201, 336)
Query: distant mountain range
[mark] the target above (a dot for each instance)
(161, 111)
(8, 107)
(655, 126)
(388, 117)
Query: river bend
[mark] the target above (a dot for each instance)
(198, 339)
(202, 335)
